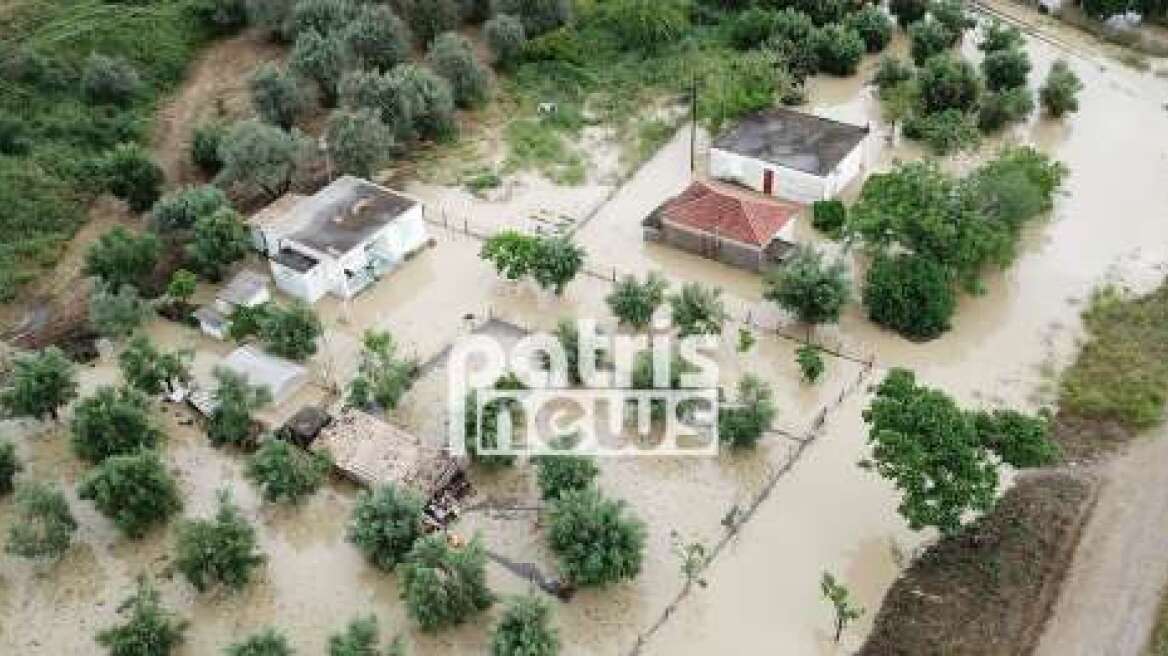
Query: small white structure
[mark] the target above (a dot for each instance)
(247, 289)
(340, 240)
(283, 378)
(790, 155)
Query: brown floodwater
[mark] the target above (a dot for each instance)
(823, 514)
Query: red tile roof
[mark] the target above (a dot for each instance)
(729, 213)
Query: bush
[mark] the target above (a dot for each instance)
(261, 157)
(131, 175)
(506, 38)
(382, 377)
(321, 16)
(944, 132)
(1060, 90)
(837, 49)
(113, 422)
(892, 72)
(277, 96)
(829, 216)
(750, 28)
(135, 491)
(205, 143)
(377, 38)
(39, 384)
(452, 57)
(429, 98)
(220, 239)
(268, 642)
(358, 142)
(291, 332)
(1001, 37)
(908, 12)
(221, 16)
(927, 38)
(360, 639)
(444, 586)
(146, 368)
(999, 109)
(1020, 440)
(951, 14)
(525, 629)
(109, 80)
(558, 474)
(121, 258)
(873, 26)
(385, 525)
(946, 82)
(595, 540)
(809, 287)
(149, 630)
(810, 363)
(646, 24)
(218, 551)
(9, 467)
(698, 310)
(181, 210)
(538, 16)
(322, 59)
(910, 294)
(43, 526)
(429, 18)
(743, 423)
(117, 314)
(284, 472)
(1005, 69)
(634, 302)
(235, 401)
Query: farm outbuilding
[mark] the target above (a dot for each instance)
(246, 289)
(283, 378)
(725, 224)
(790, 155)
(340, 240)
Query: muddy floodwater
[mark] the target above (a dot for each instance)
(821, 513)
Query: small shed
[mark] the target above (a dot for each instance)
(282, 377)
(212, 322)
(304, 426)
(245, 289)
(726, 224)
(373, 452)
(790, 155)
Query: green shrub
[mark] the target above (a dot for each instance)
(837, 49)
(646, 24)
(10, 466)
(538, 16)
(595, 540)
(284, 472)
(525, 629)
(1001, 108)
(120, 258)
(135, 491)
(1005, 69)
(452, 57)
(829, 216)
(561, 473)
(218, 551)
(1020, 440)
(809, 286)
(952, 15)
(1001, 37)
(39, 384)
(219, 240)
(506, 38)
(109, 80)
(149, 630)
(383, 377)
(944, 132)
(221, 16)
(873, 26)
(205, 143)
(634, 302)
(810, 362)
(360, 638)
(180, 210)
(698, 310)
(235, 402)
(892, 72)
(750, 28)
(946, 82)
(277, 96)
(113, 422)
(321, 16)
(430, 18)
(928, 38)
(742, 424)
(908, 12)
(385, 525)
(117, 314)
(268, 642)
(910, 294)
(443, 585)
(1060, 90)
(133, 176)
(43, 526)
(291, 332)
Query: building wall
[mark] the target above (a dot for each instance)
(722, 250)
(308, 287)
(847, 170)
(789, 184)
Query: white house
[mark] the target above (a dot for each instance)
(790, 155)
(247, 289)
(339, 240)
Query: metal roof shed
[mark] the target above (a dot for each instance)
(282, 377)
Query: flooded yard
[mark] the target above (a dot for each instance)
(823, 513)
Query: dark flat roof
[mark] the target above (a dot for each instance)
(295, 260)
(794, 140)
(346, 213)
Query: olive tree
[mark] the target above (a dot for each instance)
(117, 314)
(113, 421)
(150, 370)
(908, 12)
(538, 16)
(429, 18)
(235, 402)
(149, 629)
(385, 525)
(321, 58)
(261, 157)
(268, 642)
(557, 474)
(377, 38)
(219, 240)
(809, 286)
(132, 175)
(135, 491)
(360, 638)
(218, 551)
(1005, 68)
(429, 98)
(947, 82)
(596, 541)
(838, 49)
(698, 310)
(634, 302)
(322, 16)
(525, 629)
(742, 423)
(284, 472)
(358, 142)
(452, 57)
(109, 80)
(927, 38)
(911, 294)
(506, 37)
(120, 257)
(39, 384)
(180, 210)
(872, 25)
(382, 377)
(277, 96)
(43, 525)
(444, 585)
(1059, 92)
(291, 331)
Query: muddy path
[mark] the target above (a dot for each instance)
(215, 88)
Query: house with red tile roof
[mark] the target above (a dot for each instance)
(727, 224)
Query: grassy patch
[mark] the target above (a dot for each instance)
(651, 135)
(538, 144)
(44, 183)
(988, 589)
(1158, 643)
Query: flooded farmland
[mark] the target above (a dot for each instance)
(824, 513)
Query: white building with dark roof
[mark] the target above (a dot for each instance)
(790, 155)
(339, 240)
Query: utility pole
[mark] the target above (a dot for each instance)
(693, 124)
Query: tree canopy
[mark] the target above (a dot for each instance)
(112, 422)
(525, 629)
(218, 551)
(235, 402)
(698, 310)
(150, 370)
(383, 377)
(443, 585)
(43, 526)
(808, 286)
(120, 257)
(633, 302)
(385, 525)
(149, 628)
(220, 240)
(39, 384)
(291, 331)
(595, 539)
(135, 491)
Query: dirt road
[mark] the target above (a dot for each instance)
(1108, 604)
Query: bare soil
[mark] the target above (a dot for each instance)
(989, 589)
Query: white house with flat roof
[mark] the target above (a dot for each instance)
(339, 240)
